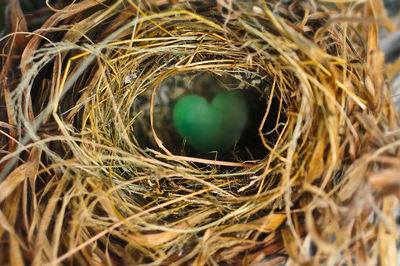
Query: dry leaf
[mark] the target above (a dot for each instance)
(18, 23)
(385, 178)
(316, 165)
(19, 174)
(388, 237)
(264, 224)
(152, 240)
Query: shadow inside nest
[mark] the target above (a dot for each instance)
(256, 92)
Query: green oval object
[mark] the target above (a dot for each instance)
(211, 127)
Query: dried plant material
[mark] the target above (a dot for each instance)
(18, 175)
(385, 178)
(19, 26)
(388, 233)
(153, 240)
(95, 172)
(317, 162)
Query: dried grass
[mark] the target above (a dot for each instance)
(80, 188)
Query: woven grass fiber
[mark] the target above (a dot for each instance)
(93, 172)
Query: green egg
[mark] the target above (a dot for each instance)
(211, 127)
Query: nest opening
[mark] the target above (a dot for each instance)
(255, 91)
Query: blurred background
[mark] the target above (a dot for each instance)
(390, 44)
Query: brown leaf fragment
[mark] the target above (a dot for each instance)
(387, 238)
(385, 178)
(264, 224)
(18, 23)
(18, 175)
(152, 240)
(316, 165)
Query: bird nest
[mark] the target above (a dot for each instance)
(94, 171)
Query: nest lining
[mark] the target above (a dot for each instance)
(143, 204)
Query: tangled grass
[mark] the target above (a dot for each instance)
(88, 179)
